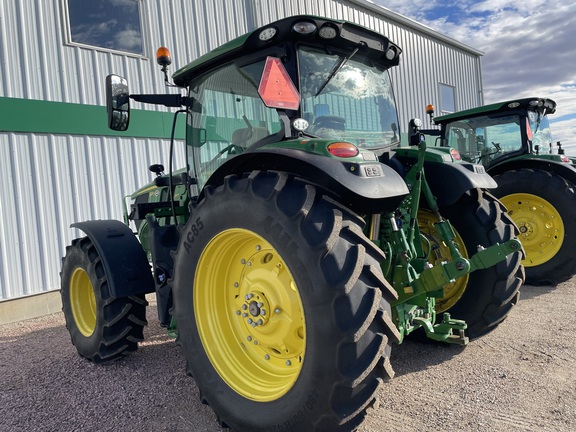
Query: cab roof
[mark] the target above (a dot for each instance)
(535, 103)
(348, 36)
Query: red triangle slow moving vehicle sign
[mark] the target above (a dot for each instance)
(276, 88)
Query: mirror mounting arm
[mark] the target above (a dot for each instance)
(169, 100)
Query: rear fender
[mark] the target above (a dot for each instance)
(364, 187)
(449, 182)
(563, 169)
(122, 256)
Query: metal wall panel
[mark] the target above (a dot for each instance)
(52, 181)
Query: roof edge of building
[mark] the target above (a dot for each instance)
(368, 4)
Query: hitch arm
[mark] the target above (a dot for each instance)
(485, 258)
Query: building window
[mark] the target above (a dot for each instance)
(447, 99)
(113, 25)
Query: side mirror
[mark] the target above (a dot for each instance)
(117, 102)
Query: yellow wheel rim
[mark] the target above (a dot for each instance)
(83, 302)
(540, 224)
(249, 315)
(440, 252)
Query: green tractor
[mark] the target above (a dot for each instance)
(536, 182)
(300, 242)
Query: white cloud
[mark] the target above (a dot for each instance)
(128, 40)
(529, 47)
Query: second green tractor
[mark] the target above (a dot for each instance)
(536, 180)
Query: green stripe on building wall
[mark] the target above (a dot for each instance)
(37, 116)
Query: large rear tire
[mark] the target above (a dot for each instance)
(543, 206)
(102, 328)
(283, 313)
(485, 297)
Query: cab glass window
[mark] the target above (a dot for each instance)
(345, 98)
(482, 139)
(113, 25)
(541, 133)
(230, 118)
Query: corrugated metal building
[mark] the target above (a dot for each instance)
(59, 161)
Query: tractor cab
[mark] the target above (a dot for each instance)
(322, 84)
(496, 133)
(332, 95)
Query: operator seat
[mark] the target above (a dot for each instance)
(328, 126)
(245, 137)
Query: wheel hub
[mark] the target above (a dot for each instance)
(249, 315)
(254, 309)
(83, 302)
(440, 252)
(540, 225)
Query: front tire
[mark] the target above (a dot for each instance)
(315, 358)
(484, 297)
(102, 328)
(543, 206)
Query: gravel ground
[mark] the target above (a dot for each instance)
(521, 377)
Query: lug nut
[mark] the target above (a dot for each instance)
(288, 363)
(262, 312)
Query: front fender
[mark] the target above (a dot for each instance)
(364, 187)
(123, 258)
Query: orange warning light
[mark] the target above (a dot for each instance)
(163, 57)
(276, 88)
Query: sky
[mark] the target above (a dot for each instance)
(529, 48)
